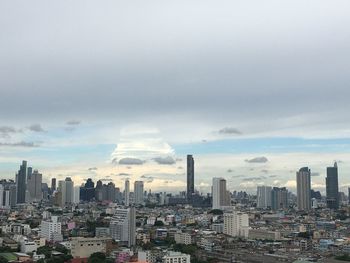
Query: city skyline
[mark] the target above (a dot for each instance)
(252, 97)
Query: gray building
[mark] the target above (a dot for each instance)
(332, 188)
(263, 196)
(304, 189)
(279, 198)
(21, 183)
(34, 186)
(190, 177)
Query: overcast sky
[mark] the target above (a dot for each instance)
(131, 87)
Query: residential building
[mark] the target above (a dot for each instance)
(304, 189)
(123, 225)
(221, 197)
(236, 224)
(264, 196)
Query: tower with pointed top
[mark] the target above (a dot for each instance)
(332, 187)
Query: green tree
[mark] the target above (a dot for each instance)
(3, 260)
(159, 223)
(98, 257)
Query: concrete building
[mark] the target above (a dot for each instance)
(51, 229)
(279, 198)
(82, 247)
(264, 196)
(221, 197)
(304, 189)
(176, 257)
(190, 177)
(34, 188)
(332, 187)
(21, 183)
(264, 234)
(127, 193)
(183, 238)
(66, 188)
(138, 192)
(123, 226)
(236, 224)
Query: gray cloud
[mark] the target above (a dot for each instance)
(19, 144)
(130, 161)
(264, 171)
(253, 178)
(92, 169)
(124, 174)
(273, 176)
(73, 122)
(5, 131)
(229, 170)
(164, 160)
(315, 174)
(180, 168)
(261, 159)
(36, 128)
(230, 131)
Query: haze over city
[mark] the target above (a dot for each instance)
(254, 90)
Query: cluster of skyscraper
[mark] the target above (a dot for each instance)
(276, 198)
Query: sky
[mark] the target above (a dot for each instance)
(126, 89)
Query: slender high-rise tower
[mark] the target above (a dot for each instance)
(127, 193)
(138, 192)
(21, 183)
(53, 184)
(332, 187)
(190, 177)
(304, 189)
(221, 197)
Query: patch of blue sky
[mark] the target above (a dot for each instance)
(265, 145)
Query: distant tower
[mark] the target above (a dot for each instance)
(21, 183)
(138, 192)
(34, 186)
(221, 196)
(190, 177)
(279, 198)
(127, 193)
(264, 196)
(304, 189)
(332, 187)
(53, 185)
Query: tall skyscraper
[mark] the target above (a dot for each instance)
(190, 176)
(138, 190)
(127, 193)
(264, 196)
(221, 197)
(66, 189)
(304, 189)
(21, 183)
(123, 225)
(53, 184)
(279, 198)
(87, 192)
(332, 188)
(34, 186)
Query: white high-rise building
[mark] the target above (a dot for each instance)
(127, 193)
(304, 189)
(264, 196)
(34, 182)
(51, 229)
(138, 193)
(221, 197)
(236, 224)
(123, 225)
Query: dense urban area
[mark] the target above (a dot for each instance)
(98, 222)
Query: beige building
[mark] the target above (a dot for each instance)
(183, 238)
(82, 247)
(236, 224)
